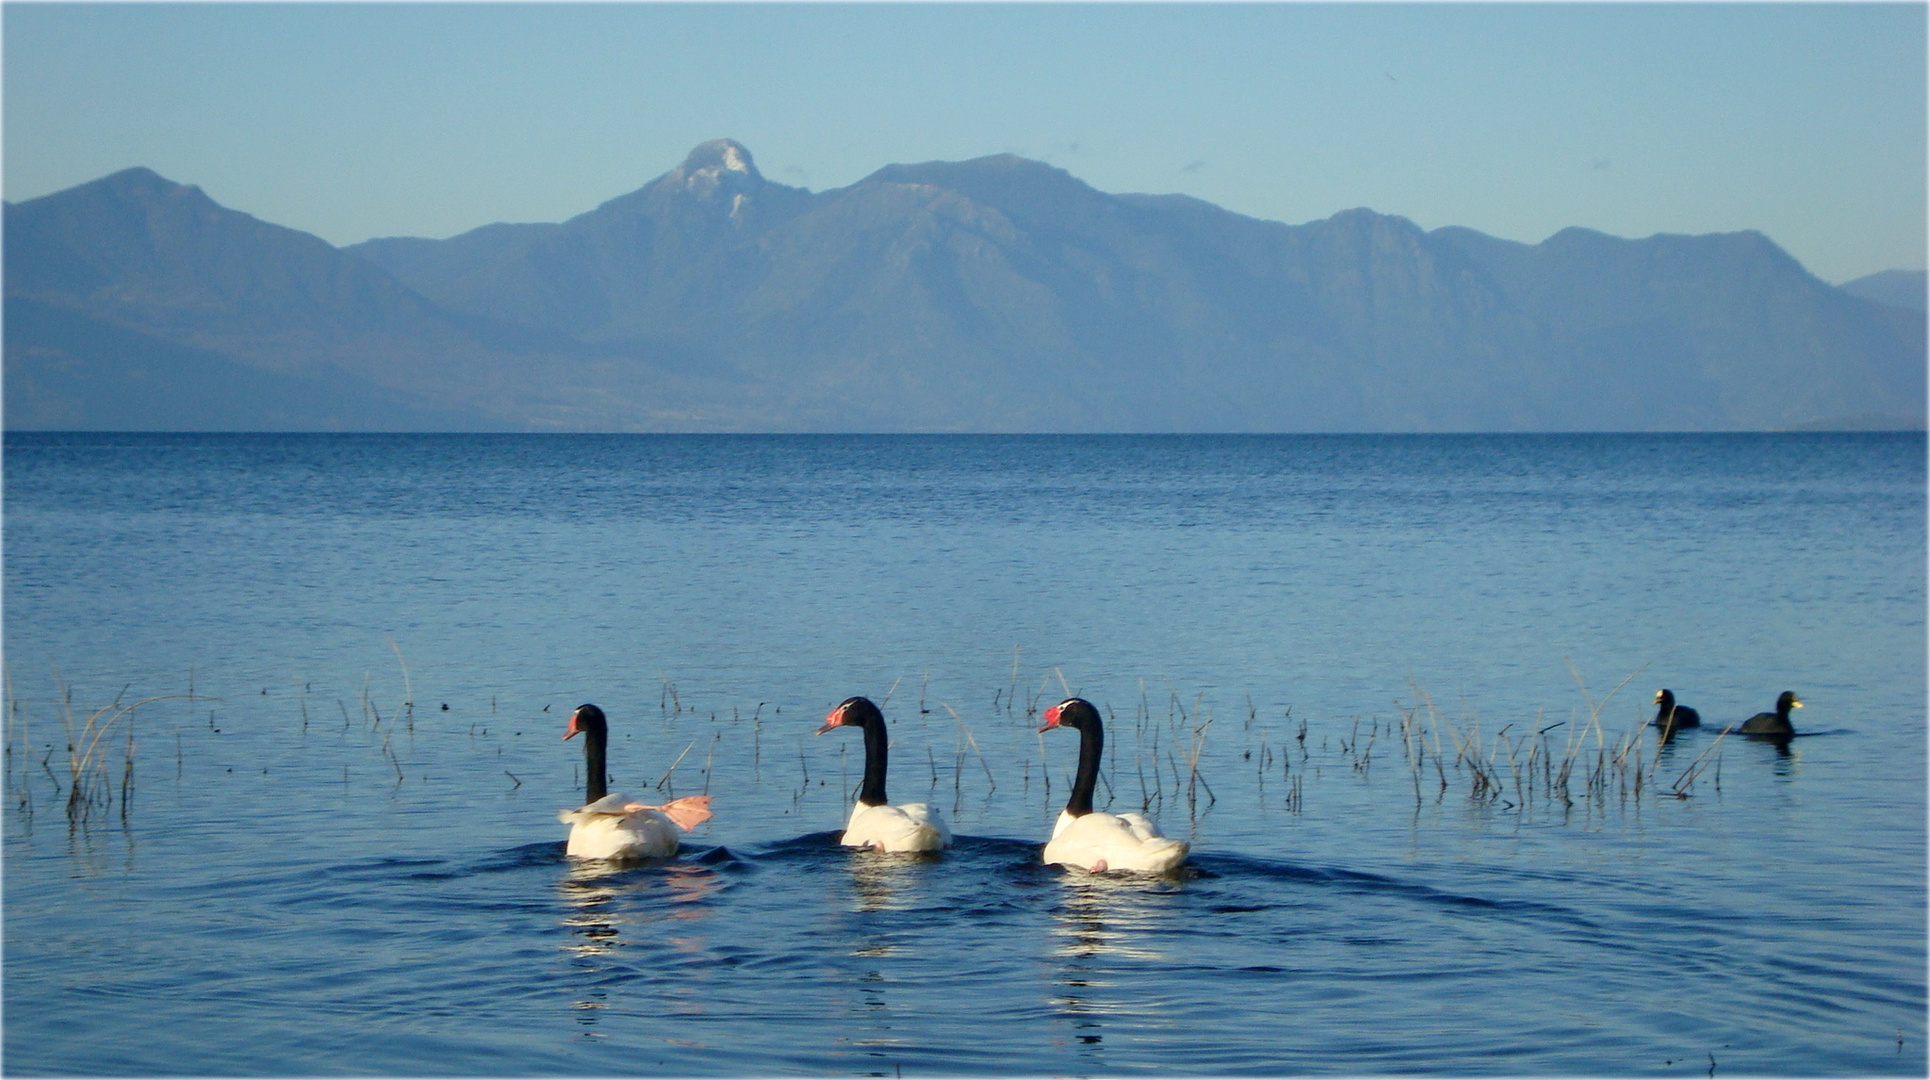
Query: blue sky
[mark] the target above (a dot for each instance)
(1804, 121)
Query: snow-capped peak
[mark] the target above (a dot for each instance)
(711, 165)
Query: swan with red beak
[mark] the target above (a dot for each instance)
(610, 826)
(1093, 839)
(874, 822)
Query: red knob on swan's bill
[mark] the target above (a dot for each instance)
(1051, 718)
(834, 718)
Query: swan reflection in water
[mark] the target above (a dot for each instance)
(883, 881)
(1104, 919)
(660, 892)
(880, 883)
(1105, 915)
(605, 905)
(887, 881)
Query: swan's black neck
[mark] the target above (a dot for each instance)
(594, 748)
(876, 749)
(1092, 743)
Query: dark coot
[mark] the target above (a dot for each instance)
(1776, 723)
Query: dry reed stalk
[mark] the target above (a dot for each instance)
(1680, 789)
(958, 772)
(408, 689)
(1365, 759)
(1032, 704)
(393, 759)
(1461, 755)
(1045, 768)
(1416, 758)
(1142, 717)
(757, 742)
(992, 784)
(1595, 708)
(1145, 797)
(1514, 772)
(1112, 746)
(17, 726)
(1193, 776)
(1012, 692)
(680, 759)
(87, 767)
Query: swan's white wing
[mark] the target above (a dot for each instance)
(932, 818)
(1100, 841)
(911, 827)
(612, 804)
(1156, 855)
(1141, 826)
(604, 830)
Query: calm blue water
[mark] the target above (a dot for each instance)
(340, 854)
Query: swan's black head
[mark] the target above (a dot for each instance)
(853, 712)
(1075, 713)
(587, 719)
(1786, 702)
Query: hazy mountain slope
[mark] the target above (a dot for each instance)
(1711, 331)
(66, 372)
(1897, 288)
(139, 250)
(163, 260)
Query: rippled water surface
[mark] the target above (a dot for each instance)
(1391, 689)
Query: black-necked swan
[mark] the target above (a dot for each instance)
(1671, 717)
(1093, 839)
(609, 826)
(1776, 723)
(874, 822)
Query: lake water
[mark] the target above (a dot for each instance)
(1351, 670)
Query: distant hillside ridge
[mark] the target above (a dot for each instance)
(996, 294)
(1898, 288)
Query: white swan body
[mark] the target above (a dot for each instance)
(610, 826)
(874, 822)
(1093, 839)
(1100, 841)
(615, 828)
(906, 827)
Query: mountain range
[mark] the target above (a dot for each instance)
(997, 294)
